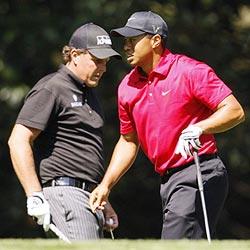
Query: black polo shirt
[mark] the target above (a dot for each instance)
(71, 120)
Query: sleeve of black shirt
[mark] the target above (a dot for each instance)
(38, 109)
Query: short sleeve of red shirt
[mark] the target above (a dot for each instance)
(126, 121)
(208, 87)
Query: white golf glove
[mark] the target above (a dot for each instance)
(38, 207)
(189, 141)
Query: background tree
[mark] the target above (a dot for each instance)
(214, 31)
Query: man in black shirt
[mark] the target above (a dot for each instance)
(56, 144)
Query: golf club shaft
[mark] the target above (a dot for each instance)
(110, 222)
(58, 233)
(112, 234)
(200, 185)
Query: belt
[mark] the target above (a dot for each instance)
(172, 171)
(73, 182)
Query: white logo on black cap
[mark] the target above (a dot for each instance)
(103, 40)
(131, 18)
(155, 28)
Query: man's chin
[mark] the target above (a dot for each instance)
(131, 62)
(92, 84)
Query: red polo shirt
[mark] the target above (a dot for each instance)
(180, 91)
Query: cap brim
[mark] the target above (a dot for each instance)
(103, 53)
(126, 32)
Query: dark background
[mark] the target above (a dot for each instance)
(32, 34)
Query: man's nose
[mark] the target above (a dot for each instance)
(103, 66)
(127, 45)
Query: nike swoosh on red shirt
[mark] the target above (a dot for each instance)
(164, 93)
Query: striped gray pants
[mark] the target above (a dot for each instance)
(70, 212)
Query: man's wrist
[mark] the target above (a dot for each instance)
(197, 128)
(105, 185)
(35, 193)
(192, 130)
(32, 191)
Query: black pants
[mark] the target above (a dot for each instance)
(181, 202)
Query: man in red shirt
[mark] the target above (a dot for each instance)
(171, 105)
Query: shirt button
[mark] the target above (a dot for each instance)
(149, 82)
(150, 94)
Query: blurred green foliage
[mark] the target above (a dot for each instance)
(214, 31)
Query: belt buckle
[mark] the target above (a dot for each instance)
(61, 182)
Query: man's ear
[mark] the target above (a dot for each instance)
(156, 41)
(74, 56)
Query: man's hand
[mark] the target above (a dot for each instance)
(189, 141)
(111, 218)
(38, 207)
(98, 198)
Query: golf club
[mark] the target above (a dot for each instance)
(200, 185)
(111, 230)
(58, 233)
(112, 234)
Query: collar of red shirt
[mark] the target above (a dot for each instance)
(161, 69)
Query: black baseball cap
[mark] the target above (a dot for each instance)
(94, 39)
(142, 22)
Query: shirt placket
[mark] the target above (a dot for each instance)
(85, 95)
(150, 91)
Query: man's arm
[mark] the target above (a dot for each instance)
(228, 114)
(20, 144)
(122, 159)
